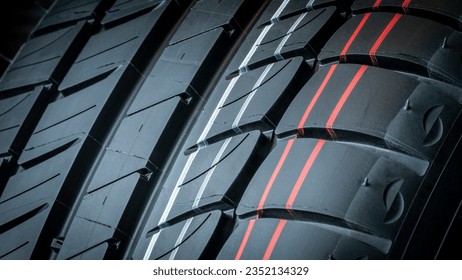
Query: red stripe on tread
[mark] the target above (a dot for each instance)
(274, 239)
(301, 124)
(405, 5)
(309, 163)
(376, 4)
(353, 37)
(382, 37)
(311, 159)
(282, 160)
(343, 99)
(246, 238)
(274, 175)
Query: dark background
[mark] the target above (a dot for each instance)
(17, 20)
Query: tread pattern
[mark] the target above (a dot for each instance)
(147, 113)
(223, 129)
(446, 11)
(373, 39)
(223, 118)
(41, 59)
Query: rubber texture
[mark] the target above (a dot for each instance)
(223, 129)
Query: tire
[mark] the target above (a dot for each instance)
(223, 129)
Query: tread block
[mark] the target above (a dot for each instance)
(247, 50)
(17, 243)
(94, 87)
(179, 71)
(301, 240)
(200, 229)
(122, 11)
(211, 180)
(59, 127)
(330, 184)
(137, 143)
(272, 9)
(204, 187)
(15, 253)
(299, 35)
(385, 109)
(64, 12)
(75, 133)
(375, 39)
(178, 79)
(186, 62)
(13, 120)
(293, 8)
(108, 51)
(98, 220)
(211, 14)
(175, 200)
(36, 189)
(258, 99)
(446, 11)
(43, 58)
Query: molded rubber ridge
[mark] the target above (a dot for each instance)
(224, 129)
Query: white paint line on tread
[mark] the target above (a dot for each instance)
(199, 196)
(277, 52)
(210, 172)
(309, 6)
(217, 159)
(262, 35)
(206, 130)
(266, 71)
(250, 96)
(180, 238)
(170, 202)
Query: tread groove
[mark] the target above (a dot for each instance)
(14, 250)
(29, 189)
(66, 119)
(185, 239)
(214, 165)
(106, 50)
(44, 157)
(45, 46)
(21, 219)
(14, 106)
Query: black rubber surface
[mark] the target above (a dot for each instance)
(224, 129)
